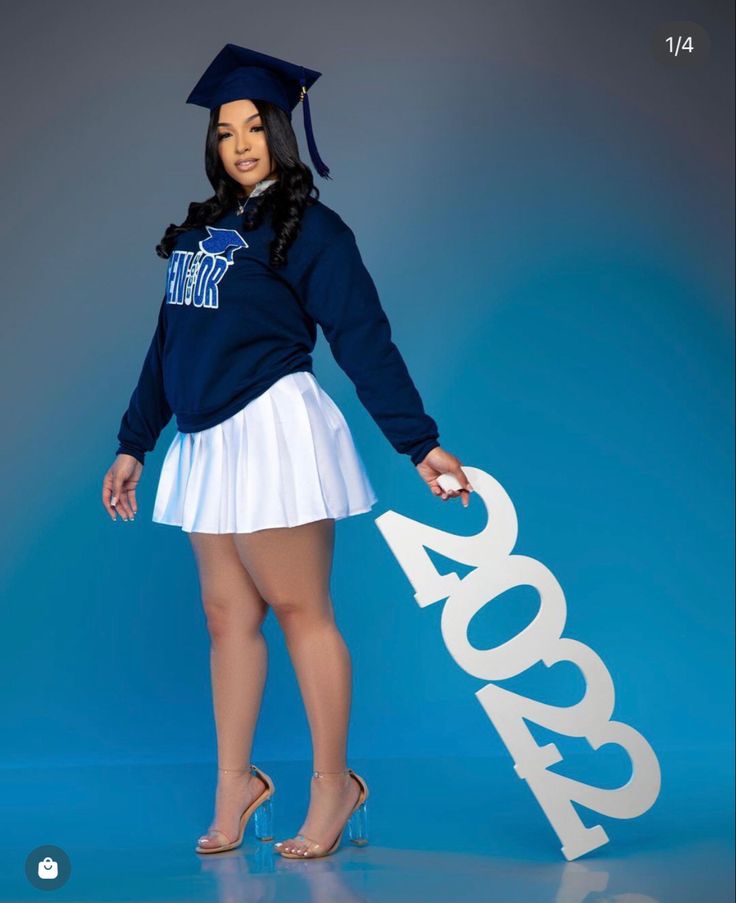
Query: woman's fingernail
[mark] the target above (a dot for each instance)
(113, 500)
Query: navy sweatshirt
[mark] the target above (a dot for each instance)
(230, 325)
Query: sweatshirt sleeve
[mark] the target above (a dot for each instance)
(148, 410)
(340, 295)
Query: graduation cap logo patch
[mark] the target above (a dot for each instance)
(192, 278)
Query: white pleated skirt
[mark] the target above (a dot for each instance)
(286, 458)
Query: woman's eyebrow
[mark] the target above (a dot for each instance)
(254, 116)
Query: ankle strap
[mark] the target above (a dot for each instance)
(250, 769)
(319, 774)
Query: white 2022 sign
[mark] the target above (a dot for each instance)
(497, 570)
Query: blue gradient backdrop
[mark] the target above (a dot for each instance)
(547, 213)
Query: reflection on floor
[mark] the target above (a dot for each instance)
(440, 831)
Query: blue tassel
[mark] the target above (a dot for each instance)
(319, 163)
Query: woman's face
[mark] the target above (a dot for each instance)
(241, 139)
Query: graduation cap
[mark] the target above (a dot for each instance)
(237, 73)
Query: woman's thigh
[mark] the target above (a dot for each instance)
(291, 566)
(227, 589)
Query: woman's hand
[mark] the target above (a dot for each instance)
(118, 486)
(437, 462)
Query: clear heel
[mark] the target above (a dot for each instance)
(358, 826)
(357, 823)
(264, 820)
(262, 812)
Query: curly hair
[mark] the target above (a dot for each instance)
(286, 199)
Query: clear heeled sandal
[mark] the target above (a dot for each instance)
(262, 806)
(357, 823)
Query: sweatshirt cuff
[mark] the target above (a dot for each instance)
(127, 450)
(421, 452)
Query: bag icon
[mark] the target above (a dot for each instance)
(48, 868)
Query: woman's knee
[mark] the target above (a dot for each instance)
(226, 615)
(285, 604)
(290, 607)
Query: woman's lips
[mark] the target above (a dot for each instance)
(245, 165)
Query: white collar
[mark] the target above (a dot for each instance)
(261, 186)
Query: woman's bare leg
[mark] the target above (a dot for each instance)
(291, 567)
(238, 663)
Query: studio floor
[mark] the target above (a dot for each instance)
(440, 831)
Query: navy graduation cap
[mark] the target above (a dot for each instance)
(237, 73)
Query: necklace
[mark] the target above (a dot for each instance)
(257, 189)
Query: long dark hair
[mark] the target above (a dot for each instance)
(285, 199)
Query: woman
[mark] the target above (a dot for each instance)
(263, 462)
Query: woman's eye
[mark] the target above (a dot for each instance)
(258, 128)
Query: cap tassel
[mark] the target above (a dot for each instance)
(319, 163)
